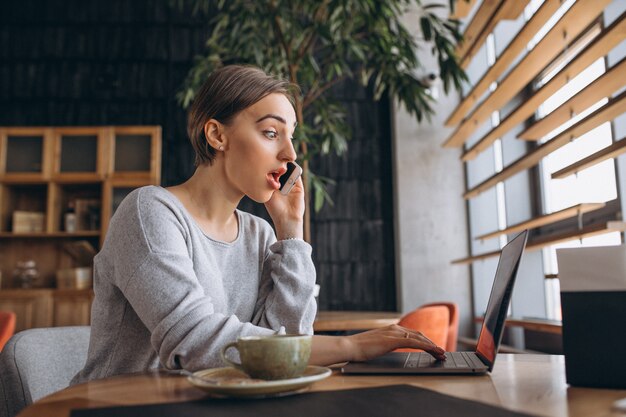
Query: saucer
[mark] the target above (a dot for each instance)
(233, 383)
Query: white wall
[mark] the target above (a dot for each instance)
(430, 215)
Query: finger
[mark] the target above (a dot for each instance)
(426, 344)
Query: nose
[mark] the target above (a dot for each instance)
(288, 153)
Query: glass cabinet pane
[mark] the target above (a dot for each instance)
(79, 153)
(24, 154)
(132, 153)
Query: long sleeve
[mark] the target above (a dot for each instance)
(287, 286)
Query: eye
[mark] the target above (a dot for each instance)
(270, 134)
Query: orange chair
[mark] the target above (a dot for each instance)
(437, 321)
(453, 325)
(7, 326)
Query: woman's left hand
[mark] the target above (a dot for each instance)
(287, 212)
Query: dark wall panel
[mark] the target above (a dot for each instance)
(120, 62)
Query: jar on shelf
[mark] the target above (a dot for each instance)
(26, 274)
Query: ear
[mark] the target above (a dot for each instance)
(214, 134)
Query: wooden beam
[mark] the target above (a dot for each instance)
(553, 239)
(602, 87)
(515, 47)
(462, 9)
(609, 152)
(599, 47)
(507, 10)
(476, 26)
(545, 219)
(609, 111)
(574, 21)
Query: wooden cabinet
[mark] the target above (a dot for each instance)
(47, 307)
(33, 308)
(46, 172)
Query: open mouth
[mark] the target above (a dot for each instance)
(273, 178)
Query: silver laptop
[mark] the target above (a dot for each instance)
(477, 362)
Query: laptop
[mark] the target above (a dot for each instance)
(482, 359)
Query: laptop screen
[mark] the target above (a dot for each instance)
(498, 305)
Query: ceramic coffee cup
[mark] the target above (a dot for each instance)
(271, 357)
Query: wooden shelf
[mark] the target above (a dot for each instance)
(46, 170)
(505, 10)
(574, 21)
(609, 111)
(46, 235)
(599, 47)
(543, 241)
(609, 152)
(538, 325)
(602, 87)
(462, 9)
(515, 47)
(545, 219)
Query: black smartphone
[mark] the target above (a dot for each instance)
(289, 178)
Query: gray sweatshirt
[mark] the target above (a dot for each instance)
(167, 295)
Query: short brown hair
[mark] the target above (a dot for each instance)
(226, 92)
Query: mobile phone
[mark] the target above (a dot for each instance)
(289, 178)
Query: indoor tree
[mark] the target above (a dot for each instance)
(319, 43)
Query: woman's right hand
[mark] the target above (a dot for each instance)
(373, 343)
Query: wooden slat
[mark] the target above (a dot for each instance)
(610, 111)
(476, 26)
(541, 242)
(545, 219)
(574, 21)
(609, 152)
(507, 10)
(608, 39)
(605, 85)
(462, 9)
(515, 47)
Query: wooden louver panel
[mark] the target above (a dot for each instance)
(545, 219)
(609, 152)
(602, 87)
(506, 10)
(517, 45)
(573, 22)
(611, 110)
(462, 8)
(541, 242)
(599, 47)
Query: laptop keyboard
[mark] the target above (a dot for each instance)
(454, 360)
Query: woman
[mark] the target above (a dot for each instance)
(182, 272)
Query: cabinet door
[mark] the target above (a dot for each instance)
(33, 308)
(72, 307)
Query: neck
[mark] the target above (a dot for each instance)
(208, 197)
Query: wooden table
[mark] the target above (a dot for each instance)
(332, 321)
(531, 383)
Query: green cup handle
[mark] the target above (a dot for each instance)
(228, 361)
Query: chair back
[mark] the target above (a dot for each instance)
(38, 362)
(432, 321)
(453, 324)
(438, 321)
(7, 327)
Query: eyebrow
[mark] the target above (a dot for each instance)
(275, 116)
